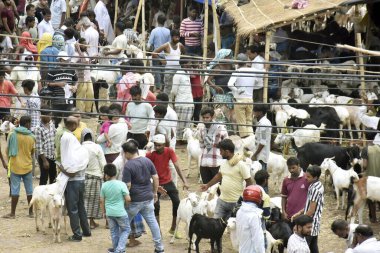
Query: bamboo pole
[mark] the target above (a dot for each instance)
(237, 45)
(359, 50)
(143, 30)
(115, 17)
(68, 9)
(181, 11)
(205, 33)
(216, 25)
(137, 15)
(266, 79)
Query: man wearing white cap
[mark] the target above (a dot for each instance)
(160, 158)
(63, 83)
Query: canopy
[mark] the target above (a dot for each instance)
(261, 15)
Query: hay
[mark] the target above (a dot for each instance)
(262, 15)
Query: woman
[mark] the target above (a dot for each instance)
(26, 45)
(59, 41)
(45, 41)
(94, 175)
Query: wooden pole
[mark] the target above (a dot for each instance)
(267, 47)
(137, 15)
(115, 17)
(237, 45)
(68, 9)
(216, 25)
(358, 43)
(181, 10)
(143, 29)
(205, 33)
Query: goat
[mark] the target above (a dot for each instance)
(211, 197)
(281, 121)
(341, 178)
(187, 207)
(278, 168)
(55, 209)
(208, 228)
(310, 133)
(241, 144)
(194, 150)
(279, 229)
(364, 188)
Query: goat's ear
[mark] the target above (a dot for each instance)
(332, 158)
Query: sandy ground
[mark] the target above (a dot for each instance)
(19, 235)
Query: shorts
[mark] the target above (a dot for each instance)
(16, 181)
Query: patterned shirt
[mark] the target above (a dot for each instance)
(131, 35)
(189, 26)
(33, 105)
(297, 244)
(209, 140)
(45, 140)
(315, 194)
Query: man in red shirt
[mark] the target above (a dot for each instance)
(8, 17)
(6, 87)
(294, 190)
(160, 158)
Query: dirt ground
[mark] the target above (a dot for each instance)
(19, 235)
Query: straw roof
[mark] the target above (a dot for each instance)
(261, 15)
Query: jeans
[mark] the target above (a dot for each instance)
(120, 229)
(223, 209)
(173, 194)
(50, 173)
(146, 209)
(74, 195)
(16, 181)
(228, 41)
(157, 73)
(197, 50)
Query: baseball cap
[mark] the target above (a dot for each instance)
(159, 138)
(63, 55)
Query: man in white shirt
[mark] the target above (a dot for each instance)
(45, 25)
(364, 241)
(253, 53)
(344, 230)
(120, 44)
(91, 35)
(30, 12)
(297, 242)
(70, 41)
(104, 20)
(242, 83)
(58, 13)
(140, 114)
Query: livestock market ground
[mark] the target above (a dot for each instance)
(19, 235)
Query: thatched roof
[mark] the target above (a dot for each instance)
(261, 15)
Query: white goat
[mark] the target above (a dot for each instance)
(309, 133)
(194, 150)
(243, 143)
(277, 168)
(55, 209)
(187, 208)
(281, 121)
(293, 112)
(273, 245)
(211, 197)
(341, 178)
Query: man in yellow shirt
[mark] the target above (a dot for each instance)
(20, 151)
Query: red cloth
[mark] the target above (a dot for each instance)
(196, 86)
(161, 162)
(27, 43)
(6, 88)
(123, 88)
(296, 192)
(151, 98)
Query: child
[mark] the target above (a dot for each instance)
(33, 102)
(114, 194)
(105, 125)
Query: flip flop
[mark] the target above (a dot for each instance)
(9, 216)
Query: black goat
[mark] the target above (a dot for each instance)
(279, 228)
(208, 228)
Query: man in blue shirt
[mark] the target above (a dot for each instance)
(159, 36)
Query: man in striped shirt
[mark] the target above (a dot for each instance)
(192, 30)
(314, 205)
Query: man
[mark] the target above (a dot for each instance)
(33, 103)
(75, 112)
(140, 114)
(119, 44)
(261, 179)
(210, 134)
(41, 5)
(20, 151)
(192, 30)
(31, 27)
(161, 156)
(158, 37)
(170, 116)
(364, 241)
(253, 53)
(58, 15)
(45, 149)
(63, 83)
(8, 17)
(371, 155)
(131, 34)
(70, 41)
(74, 193)
(248, 222)
(30, 12)
(344, 230)
(242, 83)
(234, 173)
(6, 102)
(297, 242)
(263, 136)
(92, 37)
(294, 190)
(104, 20)
(26, 70)
(45, 25)
(314, 205)
(226, 30)
(137, 174)
(173, 51)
